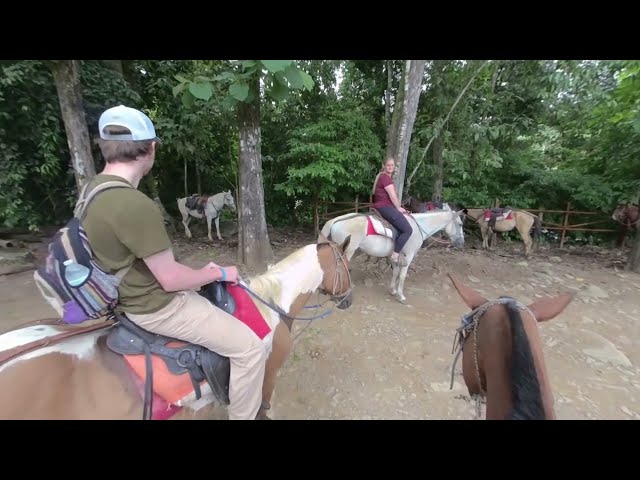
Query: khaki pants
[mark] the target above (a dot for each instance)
(192, 318)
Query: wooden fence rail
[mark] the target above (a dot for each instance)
(323, 213)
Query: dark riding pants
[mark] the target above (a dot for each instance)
(398, 220)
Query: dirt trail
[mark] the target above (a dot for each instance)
(384, 360)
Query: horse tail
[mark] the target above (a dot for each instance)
(525, 388)
(537, 227)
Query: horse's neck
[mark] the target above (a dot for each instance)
(432, 222)
(289, 283)
(217, 200)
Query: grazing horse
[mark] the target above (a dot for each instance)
(504, 360)
(99, 371)
(210, 206)
(504, 220)
(375, 239)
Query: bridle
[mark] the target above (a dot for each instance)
(426, 236)
(337, 276)
(336, 279)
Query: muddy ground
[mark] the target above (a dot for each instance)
(384, 360)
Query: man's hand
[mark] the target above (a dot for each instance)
(402, 210)
(227, 274)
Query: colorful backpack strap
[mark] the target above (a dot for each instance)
(83, 202)
(85, 198)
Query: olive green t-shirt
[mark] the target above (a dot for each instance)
(125, 226)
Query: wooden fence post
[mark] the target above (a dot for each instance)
(565, 223)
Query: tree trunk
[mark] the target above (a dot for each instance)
(404, 115)
(256, 251)
(66, 74)
(387, 99)
(634, 255)
(438, 163)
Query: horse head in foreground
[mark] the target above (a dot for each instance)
(115, 370)
(502, 355)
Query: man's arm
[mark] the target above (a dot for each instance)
(140, 227)
(174, 276)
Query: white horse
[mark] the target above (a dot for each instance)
(370, 236)
(212, 209)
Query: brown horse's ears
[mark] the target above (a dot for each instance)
(472, 298)
(548, 308)
(345, 244)
(322, 239)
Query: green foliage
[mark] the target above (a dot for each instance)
(235, 84)
(335, 157)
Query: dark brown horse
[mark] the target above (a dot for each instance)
(502, 355)
(69, 372)
(628, 216)
(415, 205)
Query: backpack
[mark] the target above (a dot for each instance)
(96, 296)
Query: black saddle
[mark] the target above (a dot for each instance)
(200, 363)
(496, 213)
(197, 202)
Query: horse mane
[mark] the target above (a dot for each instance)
(526, 396)
(294, 268)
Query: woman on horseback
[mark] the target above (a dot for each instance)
(385, 201)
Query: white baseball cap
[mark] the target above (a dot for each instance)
(135, 121)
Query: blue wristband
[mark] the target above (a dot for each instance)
(224, 274)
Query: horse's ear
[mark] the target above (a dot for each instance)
(322, 239)
(472, 298)
(548, 308)
(345, 244)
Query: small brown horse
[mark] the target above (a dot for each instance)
(628, 216)
(521, 220)
(81, 377)
(504, 360)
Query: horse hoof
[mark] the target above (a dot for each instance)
(403, 301)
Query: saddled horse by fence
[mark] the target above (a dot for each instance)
(198, 206)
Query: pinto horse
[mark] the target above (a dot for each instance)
(504, 360)
(198, 206)
(99, 371)
(369, 235)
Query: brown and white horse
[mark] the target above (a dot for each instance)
(502, 356)
(80, 377)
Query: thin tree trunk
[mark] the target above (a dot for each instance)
(424, 153)
(255, 247)
(387, 99)
(66, 75)
(438, 162)
(404, 115)
(198, 178)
